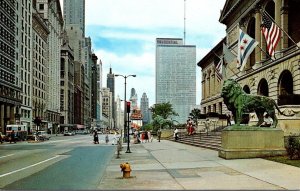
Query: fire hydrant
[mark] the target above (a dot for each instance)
(125, 168)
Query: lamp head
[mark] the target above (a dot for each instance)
(134, 75)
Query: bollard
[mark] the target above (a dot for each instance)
(125, 168)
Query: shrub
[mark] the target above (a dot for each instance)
(293, 147)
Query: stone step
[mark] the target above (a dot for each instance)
(211, 141)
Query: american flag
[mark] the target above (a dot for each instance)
(271, 32)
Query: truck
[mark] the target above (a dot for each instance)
(20, 131)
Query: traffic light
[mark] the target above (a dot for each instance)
(37, 121)
(128, 106)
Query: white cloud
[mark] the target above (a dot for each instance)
(124, 19)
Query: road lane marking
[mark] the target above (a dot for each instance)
(12, 172)
(6, 156)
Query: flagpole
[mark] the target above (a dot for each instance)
(226, 64)
(279, 27)
(265, 52)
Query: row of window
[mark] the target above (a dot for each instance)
(4, 21)
(7, 36)
(7, 49)
(6, 63)
(4, 75)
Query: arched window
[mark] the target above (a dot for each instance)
(246, 89)
(263, 88)
(251, 32)
(285, 83)
(285, 89)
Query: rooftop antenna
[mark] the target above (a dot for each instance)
(184, 33)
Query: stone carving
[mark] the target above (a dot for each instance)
(239, 103)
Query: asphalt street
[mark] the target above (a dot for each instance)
(62, 163)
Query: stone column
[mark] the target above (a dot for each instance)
(214, 83)
(203, 88)
(12, 115)
(8, 114)
(2, 118)
(277, 19)
(208, 85)
(258, 36)
(284, 23)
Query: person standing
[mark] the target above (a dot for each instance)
(96, 138)
(106, 138)
(176, 134)
(158, 134)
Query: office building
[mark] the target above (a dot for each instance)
(74, 13)
(176, 75)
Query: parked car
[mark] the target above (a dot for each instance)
(69, 133)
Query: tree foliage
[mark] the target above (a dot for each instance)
(161, 114)
(195, 114)
(165, 110)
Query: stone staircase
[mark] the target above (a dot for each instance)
(210, 141)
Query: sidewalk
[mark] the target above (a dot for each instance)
(175, 166)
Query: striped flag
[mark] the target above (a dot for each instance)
(271, 32)
(219, 70)
(246, 45)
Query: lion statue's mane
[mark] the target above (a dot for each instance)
(239, 103)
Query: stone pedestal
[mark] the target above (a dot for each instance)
(251, 142)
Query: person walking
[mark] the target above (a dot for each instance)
(96, 138)
(158, 134)
(12, 137)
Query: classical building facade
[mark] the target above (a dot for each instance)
(278, 78)
(110, 83)
(51, 11)
(107, 106)
(40, 67)
(67, 85)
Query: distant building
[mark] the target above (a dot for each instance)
(74, 13)
(176, 75)
(145, 108)
(133, 99)
(111, 85)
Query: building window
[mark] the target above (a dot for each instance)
(41, 6)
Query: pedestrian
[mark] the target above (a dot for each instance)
(96, 138)
(228, 120)
(158, 134)
(12, 137)
(115, 139)
(176, 134)
(146, 136)
(1, 140)
(106, 138)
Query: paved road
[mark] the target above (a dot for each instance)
(62, 163)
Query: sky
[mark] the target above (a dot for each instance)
(123, 34)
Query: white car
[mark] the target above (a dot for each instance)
(43, 135)
(68, 133)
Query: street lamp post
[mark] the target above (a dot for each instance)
(125, 121)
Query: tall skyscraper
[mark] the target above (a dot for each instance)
(176, 75)
(74, 13)
(10, 86)
(145, 108)
(111, 85)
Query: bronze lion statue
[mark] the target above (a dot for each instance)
(238, 102)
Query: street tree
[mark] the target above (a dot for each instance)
(195, 115)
